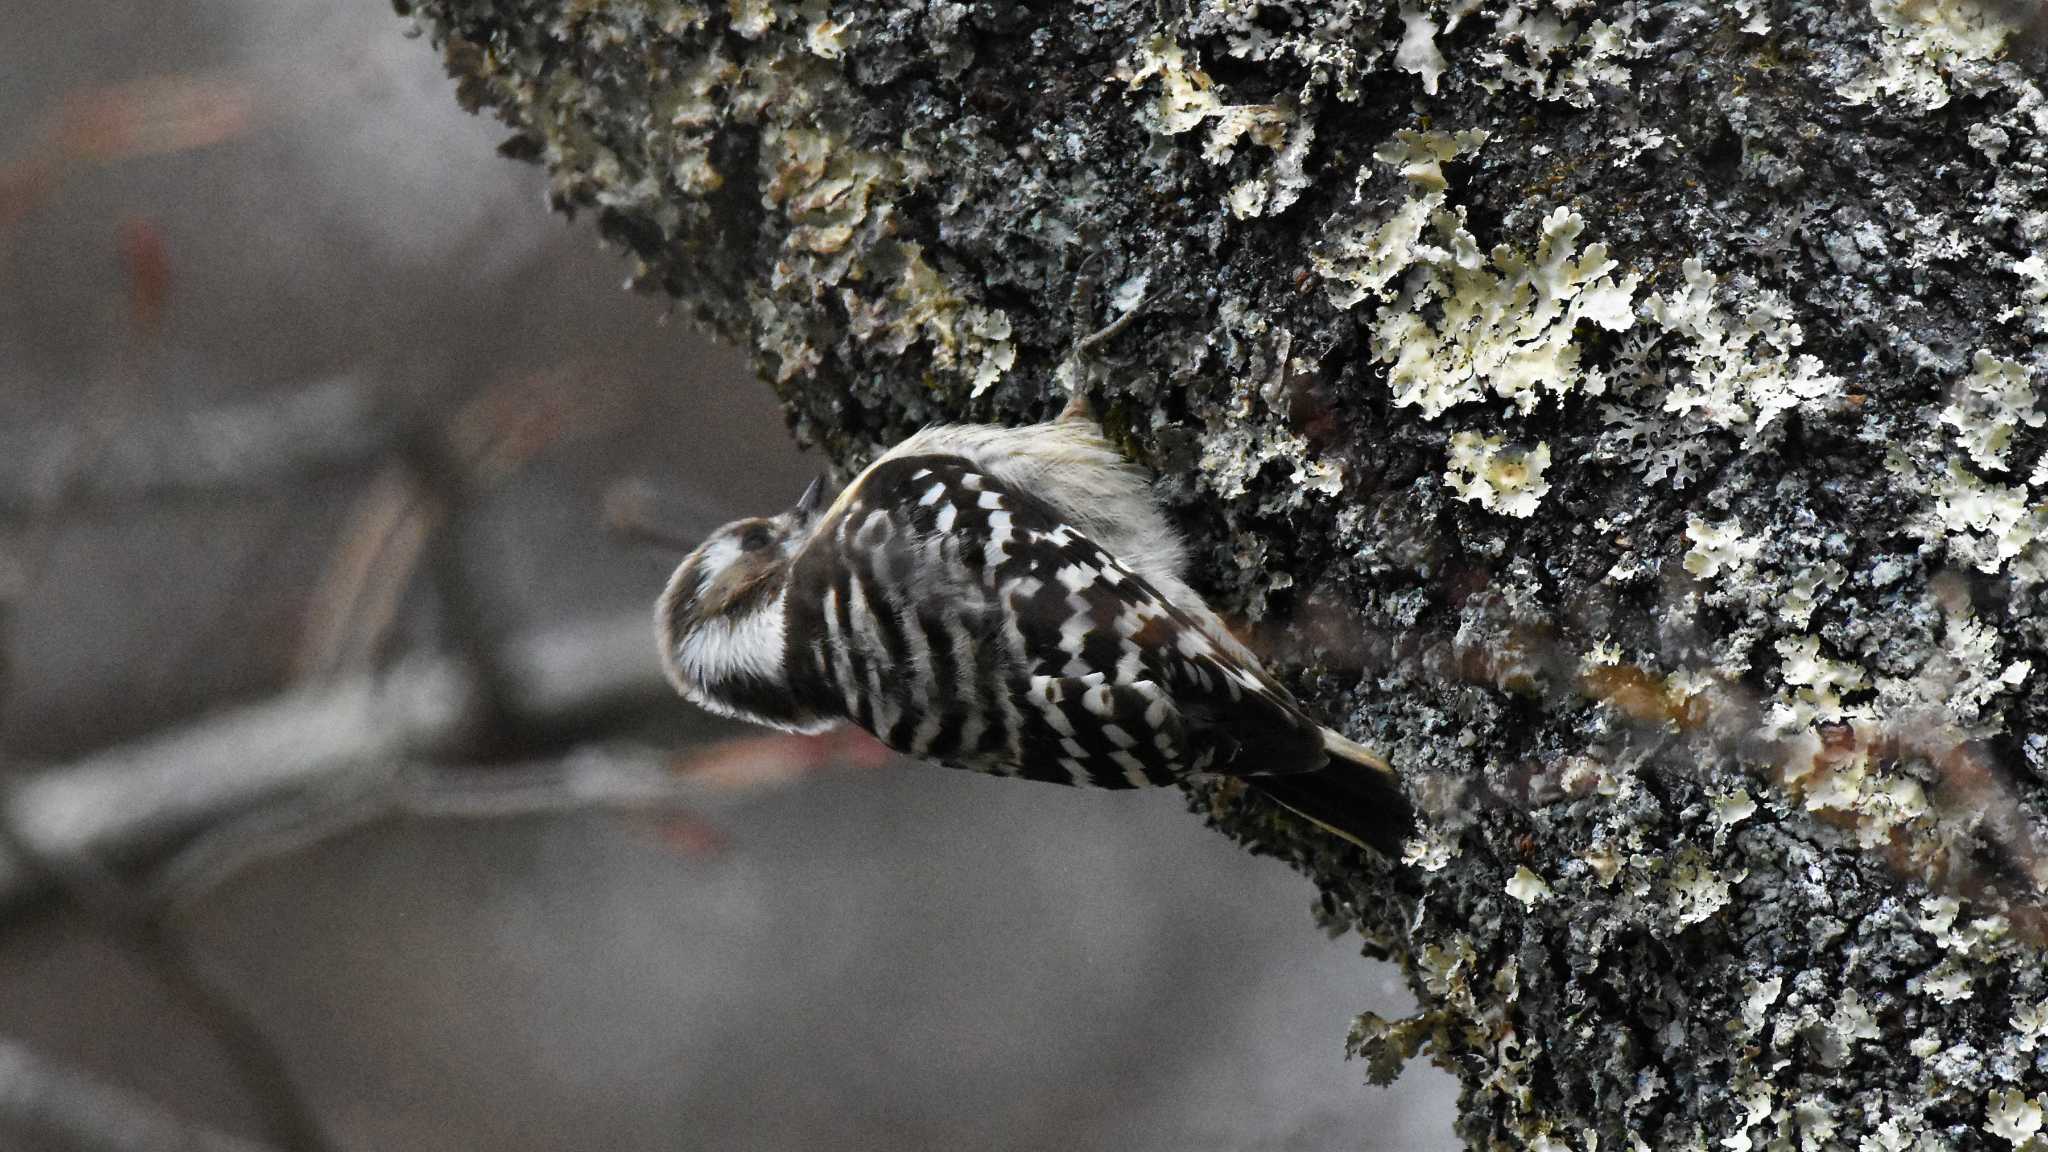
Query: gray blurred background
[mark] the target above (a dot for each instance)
(301, 385)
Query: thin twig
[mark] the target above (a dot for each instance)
(591, 780)
(612, 778)
(1089, 343)
(363, 584)
(139, 922)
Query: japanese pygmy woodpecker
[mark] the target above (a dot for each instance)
(1010, 600)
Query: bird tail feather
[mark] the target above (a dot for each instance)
(1356, 796)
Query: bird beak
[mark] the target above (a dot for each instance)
(812, 500)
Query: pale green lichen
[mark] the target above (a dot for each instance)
(1364, 258)
(837, 202)
(1527, 887)
(1505, 321)
(2032, 305)
(1808, 587)
(2030, 1026)
(1456, 326)
(1506, 324)
(1543, 49)
(1696, 891)
(1816, 686)
(1757, 998)
(1756, 1109)
(1505, 480)
(1429, 851)
(1732, 808)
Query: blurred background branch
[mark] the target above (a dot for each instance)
(82, 1111)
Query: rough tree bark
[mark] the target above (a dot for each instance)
(1622, 411)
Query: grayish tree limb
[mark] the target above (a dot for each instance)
(132, 798)
(252, 449)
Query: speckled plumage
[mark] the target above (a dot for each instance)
(948, 602)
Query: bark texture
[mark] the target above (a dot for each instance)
(1624, 412)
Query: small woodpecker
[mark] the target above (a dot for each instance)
(1012, 601)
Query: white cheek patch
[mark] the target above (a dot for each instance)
(719, 555)
(722, 649)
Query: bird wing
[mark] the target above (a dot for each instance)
(1098, 678)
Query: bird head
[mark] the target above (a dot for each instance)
(719, 621)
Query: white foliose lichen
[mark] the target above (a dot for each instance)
(1851, 1022)
(1923, 46)
(1904, 1131)
(1429, 850)
(2013, 1116)
(1738, 373)
(2030, 1026)
(1719, 549)
(1815, 686)
(1696, 892)
(1458, 325)
(1949, 700)
(1463, 323)
(1363, 258)
(921, 305)
(1506, 324)
(1995, 400)
(2032, 305)
(1803, 594)
(1418, 52)
(1981, 523)
(837, 200)
(1187, 99)
(1732, 808)
(1757, 998)
(1504, 480)
(1544, 50)
(1756, 1109)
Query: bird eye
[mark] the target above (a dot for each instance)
(755, 538)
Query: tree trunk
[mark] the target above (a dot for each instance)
(1622, 412)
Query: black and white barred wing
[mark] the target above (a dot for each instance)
(963, 621)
